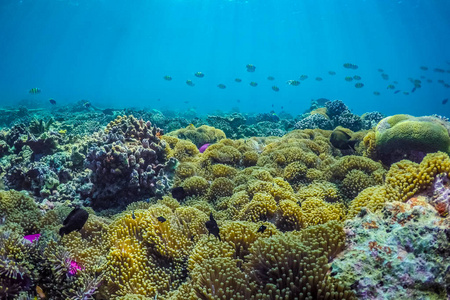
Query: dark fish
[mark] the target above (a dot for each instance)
(238, 101)
(380, 70)
(167, 77)
(272, 105)
(391, 87)
(186, 102)
(397, 91)
(270, 78)
(189, 82)
(199, 75)
(395, 82)
(350, 66)
(332, 72)
(429, 80)
(132, 215)
(385, 76)
(250, 68)
(238, 80)
(342, 140)
(376, 93)
(439, 70)
(413, 90)
(299, 203)
(357, 77)
(87, 105)
(74, 221)
(303, 77)
(348, 78)
(445, 101)
(52, 101)
(319, 78)
(221, 86)
(282, 108)
(405, 93)
(293, 82)
(261, 229)
(161, 219)
(212, 227)
(35, 91)
(179, 193)
(253, 84)
(424, 68)
(359, 85)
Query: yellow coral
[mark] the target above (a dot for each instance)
(195, 185)
(372, 198)
(221, 170)
(316, 211)
(18, 209)
(199, 135)
(261, 208)
(221, 187)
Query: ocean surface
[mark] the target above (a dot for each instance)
(116, 53)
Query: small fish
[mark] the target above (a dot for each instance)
(238, 101)
(397, 91)
(406, 93)
(238, 80)
(319, 78)
(186, 102)
(342, 140)
(332, 72)
(272, 106)
(133, 215)
(357, 77)
(413, 90)
(299, 203)
(422, 77)
(108, 111)
(35, 91)
(212, 227)
(359, 85)
(293, 82)
(221, 86)
(445, 101)
(87, 105)
(161, 219)
(348, 78)
(253, 84)
(40, 292)
(385, 76)
(203, 148)
(282, 108)
(250, 68)
(391, 87)
(52, 101)
(167, 77)
(423, 68)
(447, 85)
(438, 70)
(199, 75)
(270, 78)
(303, 77)
(189, 82)
(74, 221)
(380, 70)
(395, 82)
(179, 193)
(440, 81)
(350, 66)
(429, 80)
(261, 229)
(376, 93)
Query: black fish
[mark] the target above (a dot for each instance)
(74, 221)
(179, 193)
(161, 219)
(52, 101)
(445, 101)
(413, 90)
(132, 215)
(108, 111)
(261, 229)
(397, 91)
(212, 227)
(342, 140)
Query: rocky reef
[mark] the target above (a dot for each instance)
(224, 206)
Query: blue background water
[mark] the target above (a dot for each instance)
(115, 52)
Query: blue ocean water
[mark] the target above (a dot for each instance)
(115, 53)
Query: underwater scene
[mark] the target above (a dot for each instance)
(224, 149)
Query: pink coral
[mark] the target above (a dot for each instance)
(74, 267)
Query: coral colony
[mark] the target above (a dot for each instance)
(137, 204)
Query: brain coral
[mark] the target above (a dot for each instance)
(401, 136)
